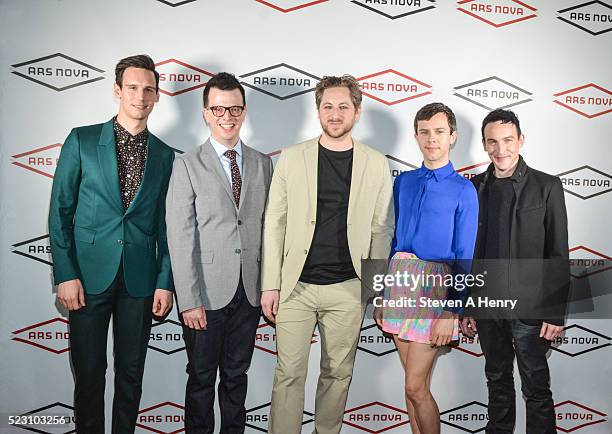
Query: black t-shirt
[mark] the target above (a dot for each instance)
(329, 259)
(500, 198)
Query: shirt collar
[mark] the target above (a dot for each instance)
(220, 149)
(439, 174)
(141, 137)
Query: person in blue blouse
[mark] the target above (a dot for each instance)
(436, 219)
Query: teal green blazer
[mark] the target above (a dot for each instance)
(90, 231)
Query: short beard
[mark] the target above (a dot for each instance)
(339, 134)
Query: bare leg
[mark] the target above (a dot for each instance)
(417, 360)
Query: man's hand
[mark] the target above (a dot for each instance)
(442, 331)
(70, 293)
(377, 315)
(269, 303)
(550, 332)
(162, 302)
(195, 318)
(468, 326)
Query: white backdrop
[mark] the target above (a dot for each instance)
(545, 59)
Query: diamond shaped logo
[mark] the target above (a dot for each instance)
(497, 13)
(285, 6)
(42, 161)
(469, 345)
(375, 417)
(265, 337)
(391, 87)
(164, 418)
(398, 166)
(594, 17)
(51, 335)
(257, 417)
(586, 182)
(473, 169)
(492, 92)
(572, 416)
(176, 77)
(58, 72)
(280, 81)
(589, 100)
(175, 3)
(373, 341)
(36, 248)
(396, 9)
(53, 413)
(577, 340)
(167, 337)
(585, 262)
(471, 417)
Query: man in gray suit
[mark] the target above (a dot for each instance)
(215, 207)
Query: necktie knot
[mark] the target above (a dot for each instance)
(231, 154)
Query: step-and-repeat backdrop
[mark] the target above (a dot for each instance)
(547, 60)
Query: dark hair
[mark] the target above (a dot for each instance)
(222, 81)
(503, 116)
(430, 110)
(346, 80)
(140, 61)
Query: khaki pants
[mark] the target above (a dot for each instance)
(338, 310)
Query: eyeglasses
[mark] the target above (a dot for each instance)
(219, 110)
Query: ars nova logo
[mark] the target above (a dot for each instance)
(257, 417)
(167, 337)
(497, 13)
(51, 335)
(40, 160)
(471, 417)
(36, 248)
(376, 417)
(58, 409)
(398, 166)
(469, 345)
(280, 81)
(594, 17)
(373, 341)
(176, 77)
(585, 182)
(585, 262)
(391, 87)
(58, 72)
(572, 416)
(492, 92)
(394, 9)
(589, 100)
(578, 340)
(265, 337)
(285, 6)
(164, 418)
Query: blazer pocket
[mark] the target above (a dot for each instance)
(84, 235)
(529, 209)
(207, 257)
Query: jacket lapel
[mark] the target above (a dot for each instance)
(107, 157)
(215, 163)
(150, 172)
(360, 160)
(311, 160)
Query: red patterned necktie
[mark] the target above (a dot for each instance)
(236, 179)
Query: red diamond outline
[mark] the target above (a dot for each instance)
(471, 353)
(291, 9)
(584, 407)
(575, 110)
(393, 71)
(34, 344)
(370, 405)
(186, 65)
(153, 407)
(500, 24)
(34, 151)
(595, 252)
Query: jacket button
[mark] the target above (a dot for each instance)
(237, 251)
(119, 241)
(312, 222)
(239, 222)
(305, 251)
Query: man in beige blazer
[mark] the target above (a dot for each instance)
(330, 206)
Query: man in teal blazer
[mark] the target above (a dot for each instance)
(108, 242)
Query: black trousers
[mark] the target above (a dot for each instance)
(227, 345)
(501, 340)
(88, 335)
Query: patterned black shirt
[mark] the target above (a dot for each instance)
(131, 158)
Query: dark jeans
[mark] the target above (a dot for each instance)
(88, 336)
(227, 344)
(501, 340)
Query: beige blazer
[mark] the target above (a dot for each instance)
(291, 212)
